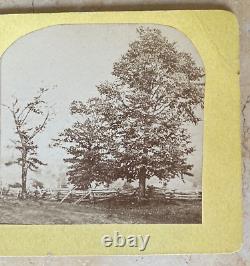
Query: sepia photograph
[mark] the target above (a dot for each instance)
(102, 124)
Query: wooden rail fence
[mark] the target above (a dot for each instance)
(95, 195)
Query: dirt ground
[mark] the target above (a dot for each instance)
(46, 212)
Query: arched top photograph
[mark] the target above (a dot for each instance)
(105, 122)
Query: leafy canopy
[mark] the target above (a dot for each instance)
(138, 124)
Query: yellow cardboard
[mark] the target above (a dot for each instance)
(215, 34)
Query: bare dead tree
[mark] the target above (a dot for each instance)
(30, 120)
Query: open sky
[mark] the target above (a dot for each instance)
(70, 60)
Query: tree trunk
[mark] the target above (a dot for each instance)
(142, 183)
(24, 182)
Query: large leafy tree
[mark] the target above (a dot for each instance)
(140, 118)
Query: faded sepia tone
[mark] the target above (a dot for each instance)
(126, 132)
(242, 10)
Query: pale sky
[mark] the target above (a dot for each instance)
(70, 60)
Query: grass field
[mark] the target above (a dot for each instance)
(14, 211)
